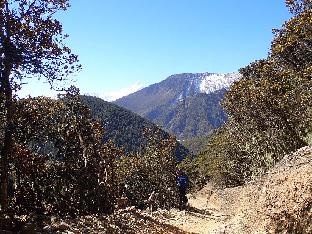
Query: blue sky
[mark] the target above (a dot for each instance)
(127, 44)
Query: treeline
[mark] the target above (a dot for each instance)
(269, 108)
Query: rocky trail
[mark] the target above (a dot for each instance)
(278, 202)
(200, 216)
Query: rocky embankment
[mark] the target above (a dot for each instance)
(279, 202)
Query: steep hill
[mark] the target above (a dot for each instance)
(125, 128)
(186, 105)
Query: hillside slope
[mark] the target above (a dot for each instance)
(127, 130)
(279, 202)
(186, 105)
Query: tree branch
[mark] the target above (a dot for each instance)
(28, 10)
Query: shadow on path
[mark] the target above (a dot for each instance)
(167, 227)
(202, 213)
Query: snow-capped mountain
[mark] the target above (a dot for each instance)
(185, 104)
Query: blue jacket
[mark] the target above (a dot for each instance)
(182, 181)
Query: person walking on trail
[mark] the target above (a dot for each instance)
(182, 182)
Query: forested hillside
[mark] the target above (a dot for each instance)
(126, 129)
(195, 116)
(196, 145)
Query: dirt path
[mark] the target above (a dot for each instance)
(279, 201)
(200, 217)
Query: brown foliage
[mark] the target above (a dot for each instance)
(59, 164)
(31, 42)
(270, 107)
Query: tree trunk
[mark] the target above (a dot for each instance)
(6, 88)
(8, 141)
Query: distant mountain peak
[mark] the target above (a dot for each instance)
(186, 104)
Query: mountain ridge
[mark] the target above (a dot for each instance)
(186, 105)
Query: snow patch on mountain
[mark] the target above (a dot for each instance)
(213, 82)
(206, 83)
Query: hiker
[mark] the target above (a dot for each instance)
(182, 182)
